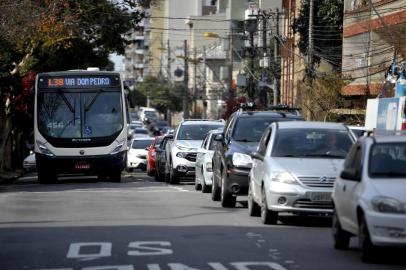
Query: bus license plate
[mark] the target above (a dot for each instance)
(320, 196)
(82, 166)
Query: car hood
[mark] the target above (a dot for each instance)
(393, 188)
(244, 147)
(309, 166)
(191, 144)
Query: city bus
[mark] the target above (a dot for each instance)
(80, 124)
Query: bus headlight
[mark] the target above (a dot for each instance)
(44, 150)
(119, 146)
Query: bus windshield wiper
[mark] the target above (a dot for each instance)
(71, 108)
(87, 107)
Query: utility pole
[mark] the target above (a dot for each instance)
(276, 61)
(186, 83)
(264, 50)
(230, 62)
(310, 52)
(204, 114)
(168, 64)
(195, 94)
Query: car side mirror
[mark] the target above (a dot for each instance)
(350, 174)
(257, 155)
(218, 137)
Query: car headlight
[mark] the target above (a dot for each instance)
(388, 205)
(242, 160)
(117, 149)
(209, 166)
(182, 154)
(44, 149)
(284, 177)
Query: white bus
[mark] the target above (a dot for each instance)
(80, 124)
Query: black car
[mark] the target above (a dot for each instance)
(231, 159)
(161, 173)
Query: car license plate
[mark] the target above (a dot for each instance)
(320, 196)
(82, 166)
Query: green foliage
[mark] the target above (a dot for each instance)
(327, 31)
(161, 95)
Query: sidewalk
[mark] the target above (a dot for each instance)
(8, 177)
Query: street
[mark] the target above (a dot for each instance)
(143, 224)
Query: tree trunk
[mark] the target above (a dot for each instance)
(5, 159)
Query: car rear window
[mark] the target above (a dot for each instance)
(387, 160)
(141, 144)
(195, 132)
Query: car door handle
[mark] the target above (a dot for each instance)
(344, 188)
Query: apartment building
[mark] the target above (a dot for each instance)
(369, 38)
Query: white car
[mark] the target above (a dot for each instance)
(204, 166)
(370, 196)
(140, 132)
(294, 168)
(137, 154)
(188, 137)
(29, 163)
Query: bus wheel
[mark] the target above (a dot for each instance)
(115, 177)
(46, 177)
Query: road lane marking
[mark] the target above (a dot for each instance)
(145, 249)
(74, 251)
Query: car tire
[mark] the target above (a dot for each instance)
(197, 185)
(341, 237)
(253, 208)
(215, 190)
(267, 216)
(367, 249)
(205, 188)
(227, 198)
(173, 177)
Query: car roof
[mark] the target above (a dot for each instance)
(389, 138)
(143, 139)
(267, 114)
(310, 124)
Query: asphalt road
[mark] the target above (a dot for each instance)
(145, 225)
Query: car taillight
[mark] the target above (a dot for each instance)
(403, 127)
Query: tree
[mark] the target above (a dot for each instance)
(323, 96)
(161, 95)
(327, 30)
(50, 35)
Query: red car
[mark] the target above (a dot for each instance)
(151, 155)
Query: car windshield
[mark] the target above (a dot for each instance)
(141, 144)
(195, 132)
(312, 143)
(79, 115)
(388, 160)
(250, 129)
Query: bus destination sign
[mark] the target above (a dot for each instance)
(79, 82)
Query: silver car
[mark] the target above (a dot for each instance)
(294, 168)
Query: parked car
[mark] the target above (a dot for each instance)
(137, 154)
(294, 168)
(204, 164)
(369, 196)
(140, 132)
(152, 155)
(29, 163)
(183, 151)
(231, 159)
(161, 166)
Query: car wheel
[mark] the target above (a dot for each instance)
(253, 208)
(368, 250)
(205, 188)
(173, 177)
(267, 216)
(197, 185)
(227, 198)
(215, 190)
(341, 237)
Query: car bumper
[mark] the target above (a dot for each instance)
(95, 164)
(29, 167)
(237, 181)
(387, 229)
(185, 171)
(297, 199)
(135, 162)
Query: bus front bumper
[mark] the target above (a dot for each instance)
(89, 165)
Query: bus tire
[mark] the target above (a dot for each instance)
(46, 177)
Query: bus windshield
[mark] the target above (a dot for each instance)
(73, 114)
